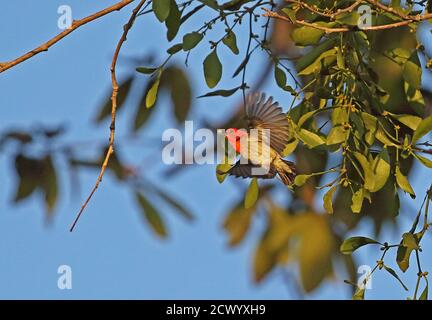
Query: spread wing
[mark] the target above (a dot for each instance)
(244, 170)
(266, 114)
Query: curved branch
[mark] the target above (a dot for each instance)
(331, 15)
(75, 25)
(110, 150)
(398, 24)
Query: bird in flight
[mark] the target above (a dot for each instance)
(261, 144)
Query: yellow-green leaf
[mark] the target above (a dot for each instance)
(410, 121)
(353, 243)
(337, 135)
(423, 128)
(251, 194)
(425, 161)
(357, 201)
(369, 177)
(328, 199)
(153, 91)
(381, 170)
(403, 182)
(309, 138)
(301, 179)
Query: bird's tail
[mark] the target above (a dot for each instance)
(286, 171)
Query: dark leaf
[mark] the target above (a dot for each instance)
(161, 9)
(191, 40)
(172, 23)
(223, 93)
(212, 69)
(151, 215)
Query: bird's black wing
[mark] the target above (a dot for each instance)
(244, 170)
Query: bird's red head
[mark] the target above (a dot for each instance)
(233, 135)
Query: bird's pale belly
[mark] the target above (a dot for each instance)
(257, 153)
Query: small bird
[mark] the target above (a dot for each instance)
(261, 145)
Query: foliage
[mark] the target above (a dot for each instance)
(359, 117)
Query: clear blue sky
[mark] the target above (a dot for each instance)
(112, 253)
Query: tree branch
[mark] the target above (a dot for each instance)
(110, 150)
(398, 24)
(75, 25)
(331, 15)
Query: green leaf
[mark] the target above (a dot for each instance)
(291, 14)
(316, 65)
(316, 247)
(175, 48)
(407, 245)
(210, 3)
(237, 223)
(223, 93)
(306, 36)
(280, 77)
(369, 177)
(142, 112)
(328, 199)
(337, 135)
(353, 243)
(382, 137)
(191, 40)
(230, 41)
(414, 98)
(27, 170)
(289, 148)
(301, 179)
(349, 18)
(305, 117)
(222, 167)
(146, 70)
(151, 215)
(370, 123)
(381, 170)
(153, 91)
(410, 121)
(212, 69)
(403, 182)
(394, 274)
(412, 71)
(424, 294)
(425, 161)
(49, 184)
(359, 294)
(310, 57)
(309, 138)
(251, 194)
(181, 92)
(241, 66)
(173, 21)
(161, 9)
(357, 201)
(423, 128)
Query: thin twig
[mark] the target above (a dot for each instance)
(398, 24)
(75, 25)
(331, 15)
(110, 150)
